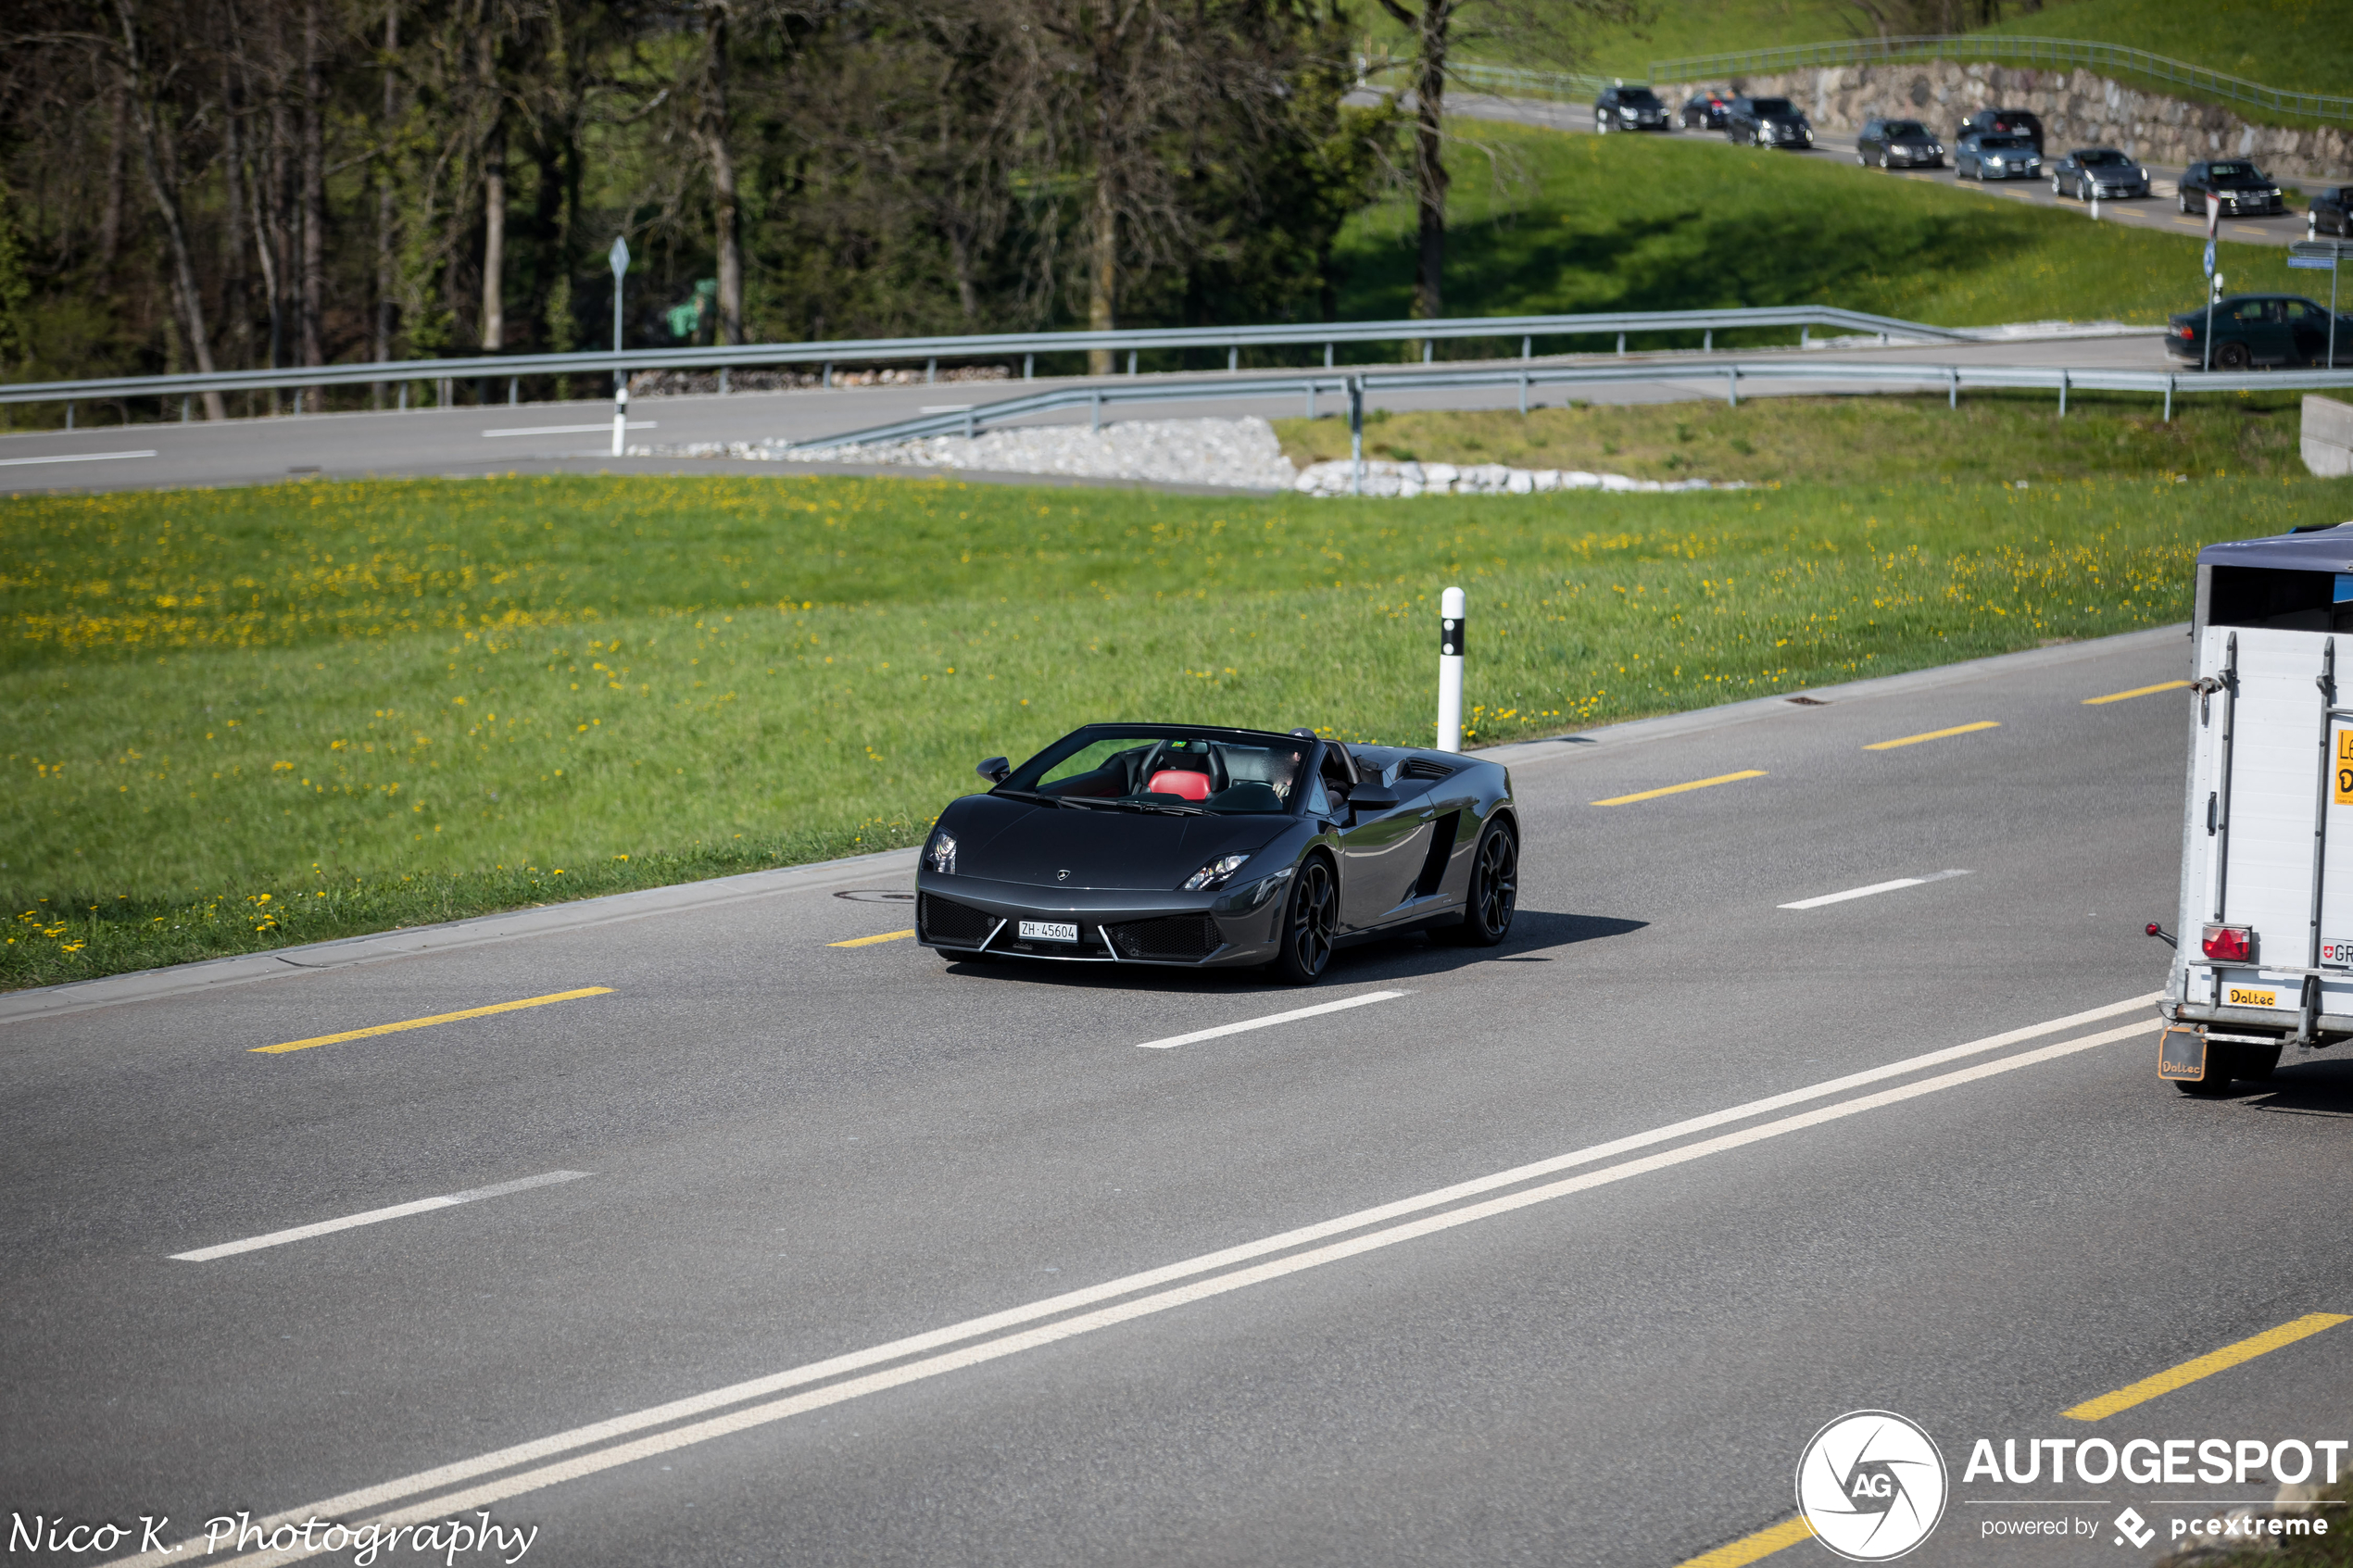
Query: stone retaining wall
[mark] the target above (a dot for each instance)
(2079, 108)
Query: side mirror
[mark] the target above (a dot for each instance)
(1367, 797)
(995, 769)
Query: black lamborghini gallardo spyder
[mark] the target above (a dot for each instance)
(1179, 845)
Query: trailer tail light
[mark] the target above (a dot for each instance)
(2229, 943)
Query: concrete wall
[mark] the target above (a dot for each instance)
(2078, 109)
(2328, 437)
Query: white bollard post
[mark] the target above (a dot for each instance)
(1449, 670)
(620, 417)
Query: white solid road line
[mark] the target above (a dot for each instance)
(456, 1503)
(567, 430)
(1267, 1023)
(1866, 892)
(75, 457)
(373, 1216)
(350, 1504)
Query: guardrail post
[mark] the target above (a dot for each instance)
(1131, 361)
(723, 380)
(514, 390)
(1621, 343)
(69, 415)
(1094, 410)
(1429, 349)
(1732, 385)
(1804, 335)
(1327, 356)
(1523, 392)
(1708, 341)
(1356, 435)
(1953, 387)
(931, 368)
(1527, 351)
(2169, 399)
(972, 424)
(1028, 367)
(1311, 397)
(404, 396)
(184, 410)
(1233, 357)
(2062, 395)
(827, 380)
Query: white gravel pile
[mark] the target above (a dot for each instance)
(1383, 478)
(1242, 452)
(1239, 453)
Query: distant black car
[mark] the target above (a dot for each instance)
(1767, 122)
(1630, 109)
(1995, 154)
(2331, 211)
(2004, 122)
(2260, 328)
(2242, 187)
(1898, 144)
(1208, 848)
(1706, 111)
(2099, 172)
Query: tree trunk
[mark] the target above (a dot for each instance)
(383, 196)
(236, 293)
(314, 194)
(1102, 271)
(111, 215)
(727, 242)
(494, 240)
(1429, 161)
(156, 158)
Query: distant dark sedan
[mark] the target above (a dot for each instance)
(1767, 122)
(2099, 172)
(2331, 211)
(1995, 154)
(1706, 111)
(1630, 109)
(1898, 144)
(2260, 328)
(2243, 188)
(1201, 847)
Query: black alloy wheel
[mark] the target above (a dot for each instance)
(1309, 924)
(1493, 893)
(2232, 356)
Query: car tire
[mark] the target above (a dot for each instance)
(2232, 356)
(1882, 161)
(1493, 895)
(1860, 159)
(1311, 921)
(2186, 203)
(2226, 1063)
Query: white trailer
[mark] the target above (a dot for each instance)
(2265, 957)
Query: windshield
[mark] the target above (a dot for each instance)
(1904, 128)
(1162, 768)
(2100, 157)
(1771, 105)
(1638, 97)
(1999, 142)
(2231, 170)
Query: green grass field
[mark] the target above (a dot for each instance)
(1685, 223)
(241, 717)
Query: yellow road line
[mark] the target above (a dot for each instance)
(1764, 1543)
(437, 1018)
(870, 941)
(2189, 1372)
(2136, 691)
(1934, 735)
(1677, 789)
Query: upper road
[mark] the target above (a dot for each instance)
(776, 1134)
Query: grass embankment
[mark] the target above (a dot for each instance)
(1553, 223)
(2001, 437)
(239, 718)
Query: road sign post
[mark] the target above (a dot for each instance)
(2315, 255)
(2212, 294)
(619, 258)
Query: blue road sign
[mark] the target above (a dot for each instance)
(2210, 258)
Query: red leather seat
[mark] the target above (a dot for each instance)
(1177, 781)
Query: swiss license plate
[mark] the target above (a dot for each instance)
(2337, 954)
(1048, 931)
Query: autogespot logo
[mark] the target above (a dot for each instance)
(1871, 1485)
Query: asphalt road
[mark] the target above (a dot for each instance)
(2160, 209)
(796, 1151)
(576, 437)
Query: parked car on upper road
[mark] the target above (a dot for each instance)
(2004, 122)
(2331, 211)
(2260, 328)
(1995, 154)
(1898, 144)
(1767, 122)
(1630, 109)
(1706, 111)
(2242, 187)
(2099, 172)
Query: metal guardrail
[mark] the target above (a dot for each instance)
(1951, 379)
(871, 351)
(2070, 52)
(1513, 81)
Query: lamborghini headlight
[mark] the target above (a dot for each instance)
(1216, 874)
(941, 854)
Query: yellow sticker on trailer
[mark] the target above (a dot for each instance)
(2345, 767)
(2248, 997)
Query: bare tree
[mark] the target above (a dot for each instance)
(159, 159)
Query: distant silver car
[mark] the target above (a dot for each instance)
(2099, 172)
(1995, 154)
